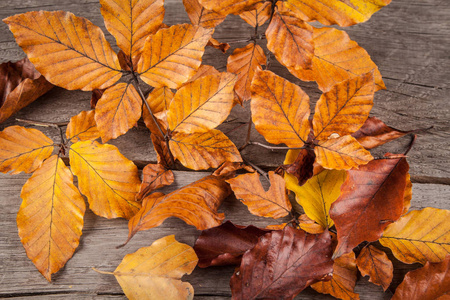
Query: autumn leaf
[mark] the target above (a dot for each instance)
(23, 149)
(280, 109)
(20, 85)
(204, 70)
(371, 198)
(163, 155)
(117, 111)
(201, 16)
(154, 176)
(274, 203)
(228, 169)
(419, 236)
(96, 95)
(130, 22)
(244, 62)
(172, 55)
(82, 127)
(69, 51)
(159, 100)
(300, 170)
(218, 45)
(108, 179)
(343, 282)
(225, 244)
(375, 263)
(226, 7)
(282, 264)
(308, 225)
(407, 196)
(155, 272)
(258, 16)
(50, 218)
(429, 282)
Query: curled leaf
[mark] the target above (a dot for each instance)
(155, 176)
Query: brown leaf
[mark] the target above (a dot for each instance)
(69, 51)
(201, 16)
(23, 149)
(371, 198)
(427, 283)
(407, 197)
(274, 203)
(162, 150)
(258, 16)
(96, 95)
(303, 166)
(244, 62)
(375, 263)
(155, 176)
(225, 244)
(125, 61)
(218, 45)
(20, 85)
(228, 169)
(82, 127)
(50, 218)
(282, 264)
(226, 7)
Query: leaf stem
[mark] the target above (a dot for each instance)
(43, 124)
(260, 171)
(249, 131)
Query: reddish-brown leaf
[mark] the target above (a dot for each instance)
(375, 263)
(408, 194)
(303, 166)
(371, 198)
(155, 176)
(96, 95)
(202, 16)
(282, 264)
(225, 244)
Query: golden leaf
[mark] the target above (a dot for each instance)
(226, 7)
(23, 149)
(82, 127)
(258, 16)
(201, 16)
(50, 218)
(204, 70)
(280, 109)
(172, 55)
(107, 178)
(375, 263)
(69, 51)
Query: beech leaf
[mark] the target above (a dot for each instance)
(375, 263)
(82, 127)
(154, 176)
(300, 170)
(258, 16)
(162, 150)
(226, 7)
(201, 16)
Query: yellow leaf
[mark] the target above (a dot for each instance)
(244, 62)
(342, 153)
(340, 12)
(50, 218)
(226, 7)
(173, 55)
(117, 111)
(82, 127)
(317, 194)
(419, 236)
(280, 109)
(69, 51)
(130, 22)
(274, 203)
(203, 104)
(345, 108)
(258, 16)
(203, 150)
(108, 179)
(201, 16)
(23, 149)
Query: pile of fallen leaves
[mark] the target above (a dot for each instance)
(345, 199)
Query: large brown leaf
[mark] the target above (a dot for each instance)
(154, 176)
(280, 109)
(172, 55)
(131, 21)
(226, 7)
(225, 244)
(201, 16)
(20, 84)
(274, 203)
(23, 149)
(50, 218)
(107, 178)
(82, 127)
(258, 16)
(282, 264)
(69, 51)
(375, 263)
(371, 198)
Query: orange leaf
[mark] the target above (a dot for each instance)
(107, 178)
(162, 150)
(203, 104)
(155, 176)
(159, 100)
(280, 109)
(218, 45)
(375, 263)
(309, 225)
(407, 197)
(204, 70)
(130, 22)
(69, 51)
(23, 149)
(226, 7)
(203, 150)
(50, 218)
(244, 62)
(172, 55)
(82, 127)
(345, 108)
(117, 111)
(201, 16)
(258, 16)
(274, 203)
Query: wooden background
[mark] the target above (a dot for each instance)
(409, 40)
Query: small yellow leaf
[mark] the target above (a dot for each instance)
(82, 127)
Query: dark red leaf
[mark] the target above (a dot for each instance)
(96, 95)
(303, 166)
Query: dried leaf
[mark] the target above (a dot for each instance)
(172, 55)
(162, 150)
(419, 236)
(204, 70)
(155, 176)
(69, 51)
(50, 218)
(371, 198)
(280, 109)
(408, 194)
(258, 16)
(228, 169)
(308, 225)
(23, 149)
(274, 203)
(301, 169)
(277, 226)
(244, 62)
(226, 7)
(117, 111)
(218, 45)
(82, 127)
(282, 264)
(96, 95)
(375, 263)
(201, 16)
(225, 244)
(107, 178)
(126, 63)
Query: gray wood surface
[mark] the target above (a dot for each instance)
(408, 40)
